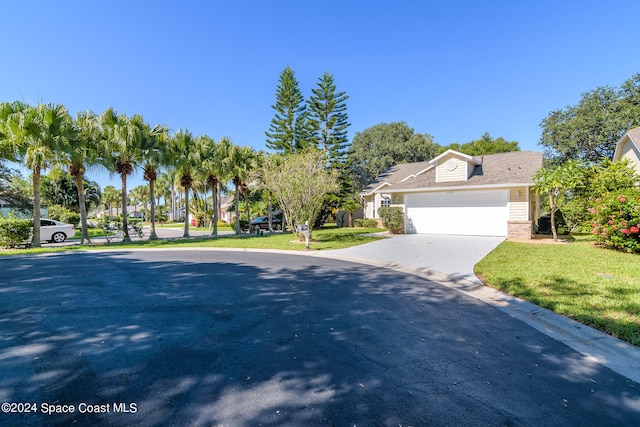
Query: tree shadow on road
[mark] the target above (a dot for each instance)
(218, 338)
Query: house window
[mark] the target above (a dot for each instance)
(385, 203)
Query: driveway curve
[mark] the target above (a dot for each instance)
(205, 337)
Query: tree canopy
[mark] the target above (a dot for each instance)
(590, 129)
(485, 145)
(289, 131)
(384, 145)
(328, 120)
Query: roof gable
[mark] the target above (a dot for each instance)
(631, 136)
(512, 168)
(629, 148)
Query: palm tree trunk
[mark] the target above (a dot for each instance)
(214, 190)
(186, 213)
(246, 205)
(219, 199)
(237, 202)
(152, 233)
(83, 208)
(35, 240)
(270, 208)
(125, 220)
(553, 218)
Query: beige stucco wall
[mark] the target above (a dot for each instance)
(445, 175)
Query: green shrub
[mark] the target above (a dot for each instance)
(60, 213)
(392, 218)
(14, 232)
(370, 223)
(358, 222)
(616, 220)
(71, 218)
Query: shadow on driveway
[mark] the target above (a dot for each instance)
(212, 338)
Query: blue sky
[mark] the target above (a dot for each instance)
(453, 69)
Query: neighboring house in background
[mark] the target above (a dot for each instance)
(454, 193)
(629, 148)
(227, 209)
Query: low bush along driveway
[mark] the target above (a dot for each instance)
(595, 286)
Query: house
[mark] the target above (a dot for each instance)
(454, 193)
(629, 147)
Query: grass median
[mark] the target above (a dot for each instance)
(595, 286)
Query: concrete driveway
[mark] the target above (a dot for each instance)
(206, 337)
(455, 256)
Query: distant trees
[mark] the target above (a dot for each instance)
(384, 145)
(485, 145)
(590, 129)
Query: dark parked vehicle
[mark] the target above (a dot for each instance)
(262, 222)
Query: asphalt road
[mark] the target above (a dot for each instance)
(189, 337)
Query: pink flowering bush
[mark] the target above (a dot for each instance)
(616, 220)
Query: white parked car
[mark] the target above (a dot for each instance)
(55, 231)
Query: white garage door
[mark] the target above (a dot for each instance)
(476, 213)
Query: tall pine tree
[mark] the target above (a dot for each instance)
(328, 120)
(290, 128)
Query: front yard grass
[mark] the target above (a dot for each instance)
(325, 238)
(595, 286)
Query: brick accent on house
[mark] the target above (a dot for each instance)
(520, 230)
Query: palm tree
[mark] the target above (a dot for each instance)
(238, 165)
(165, 188)
(212, 157)
(184, 156)
(82, 148)
(37, 133)
(110, 197)
(122, 138)
(154, 150)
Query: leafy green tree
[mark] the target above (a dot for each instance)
(37, 134)
(485, 145)
(590, 129)
(300, 184)
(184, 156)
(329, 121)
(384, 145)
(290, 129)
(11, 194)
(557, 183)
(59, 188)
(599, 179)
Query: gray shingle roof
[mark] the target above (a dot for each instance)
(517, 167)
(396, 173)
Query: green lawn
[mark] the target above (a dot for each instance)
(323, 239)
(595, 286)
(93, 232)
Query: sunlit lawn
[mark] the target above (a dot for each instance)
(595, 286)
(323, 239)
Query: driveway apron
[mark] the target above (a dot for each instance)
(454, 256)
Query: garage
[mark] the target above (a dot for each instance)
(475, 213)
